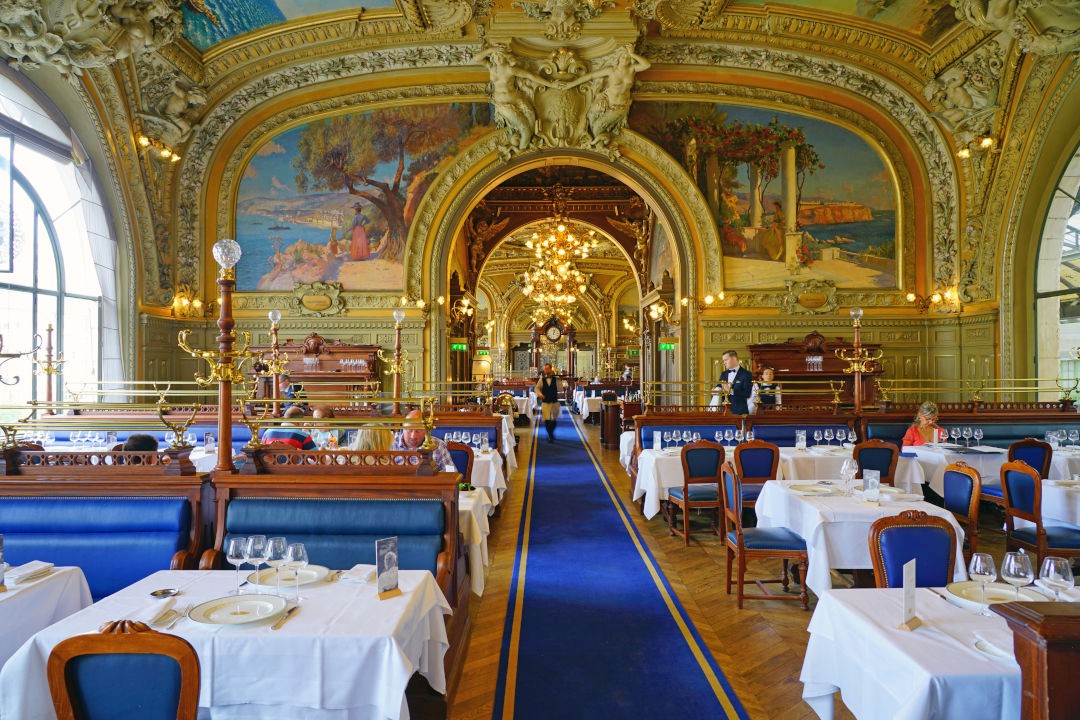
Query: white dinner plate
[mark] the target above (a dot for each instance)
(968, 594)
(237, 609)
(309, 574)
(812, 489)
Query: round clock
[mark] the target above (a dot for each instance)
(553, 333)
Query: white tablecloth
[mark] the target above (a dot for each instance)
(626, 448)
(473, 509)
(487, 473)
(35, 604)
(934, 460)
(824, 464)
(591, 406)
(837, 528)
(344, 654)
(524, 406)
(882, 671)
(658, 472)
(508, 444)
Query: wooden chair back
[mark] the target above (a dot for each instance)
(896, 539)
(1036, 453)
(731, 495)
(757, 460)
(877, 454)
(701, 462)
(1021, 488)
(462, 455)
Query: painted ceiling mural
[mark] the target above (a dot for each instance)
(846, 227)
(332, 200)
(929, 19)
(208, 22)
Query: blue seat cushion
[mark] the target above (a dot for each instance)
(115, 541)
(750, 491)
(993, 491)
(759, 538)
(341, 532)
(698, 493)
(1057, 536)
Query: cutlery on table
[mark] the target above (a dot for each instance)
(284, 618)
(178, 614)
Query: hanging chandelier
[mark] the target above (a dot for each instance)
(560, 240)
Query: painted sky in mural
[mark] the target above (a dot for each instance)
(333, 200)
(226, 18)
(847, 225)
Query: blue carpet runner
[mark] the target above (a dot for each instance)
(593, 630)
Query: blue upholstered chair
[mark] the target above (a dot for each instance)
(701, 462)
(745, 544)
(896, 540)
(1022, 492)
(462, 455)
(755, 462)
(128, 671)
(877, 455)
(962, 490)
(1035, 453)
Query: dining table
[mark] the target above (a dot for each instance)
(627, 442)
(836, 525)
(956, 664)
(823, 462)
(343, 654)
(658, 472)
(474, 507)
(35, 603)
(487, 474)
(935, 457)
(525, 406)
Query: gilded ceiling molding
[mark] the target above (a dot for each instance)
(195, 167)
(907, 112)
(563, 19)
(712, 92)
(1040, 27)
(642, 165)
(1012, 184)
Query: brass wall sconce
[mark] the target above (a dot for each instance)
(938, 301)
(662, 311)
(158, 149)
(982, 143)
(705, 303)
(461, 310)
(187, 304)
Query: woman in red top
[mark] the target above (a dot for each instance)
(925, 428)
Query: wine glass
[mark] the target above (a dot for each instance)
(296, 559)
(848, 470)
(967, 433)
(718, 436)
(982, 569)
(817, 437)
(476, 440)
(275, 558)
(1016, 570)
(749, 436)
(1055, 575)
(841, 435)
(978, 434)
(829, 436)
(697, 436)
(667, 438)
(729, 436)
(676, 437)
(1074, 436)
(739, 435)
(256, 553)
(236, 555)
(954, 433)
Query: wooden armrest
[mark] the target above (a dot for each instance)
(443, 572)
(211, 560)
(182, 560)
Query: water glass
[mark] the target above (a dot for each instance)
(676, 437)
(829, 436)
(871, 480)
(275, 558)
(485, 443)
(954, 433)
(967, 434)
(476, 440)
(848, 470)
(1055, 575)
(1016, 570)
(110, 440)
(718, 436)
(817, 437)
(841, 435)
(729, 436)
(1074, 436)
(982, 570)
(697, 436)
(256, 552)
(296, 559)
(667, 437)
(236, 555)
(749, 436)
(739, 435)
(978, 434)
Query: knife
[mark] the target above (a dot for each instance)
(284, 618)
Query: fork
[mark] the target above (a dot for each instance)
(179, 614)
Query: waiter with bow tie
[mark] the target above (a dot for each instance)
(736, 382)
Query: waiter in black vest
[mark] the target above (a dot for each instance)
(547, 387)
(737, 382)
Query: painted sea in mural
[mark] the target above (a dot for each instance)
(333, 200)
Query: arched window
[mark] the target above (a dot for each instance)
(57, 256)
(1057, 287)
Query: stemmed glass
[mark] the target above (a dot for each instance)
(983, 570)
(848, 470)
(476, 441)
(236, 555)
(676, 437)
(1055, 575)
(718, 436)
(1016, 570)
(739, 435)
(729, 436)
(296, 559)
(967, 433)
(841, 435)
(697, 436)
(749, 436)
(954, 433)
(275, 558)
(256, 553)
(667, 438)
(817, 437)
(828, 436)
(1074, 436)
(978, 434)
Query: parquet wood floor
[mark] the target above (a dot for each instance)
(760, 648)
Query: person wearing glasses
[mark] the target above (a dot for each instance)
(925, 428)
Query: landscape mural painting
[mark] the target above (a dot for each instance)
(845, 230)
(333, 200)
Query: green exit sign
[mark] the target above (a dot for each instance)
(482, 352)
(633, 352)
(667, 346)
(459, 347)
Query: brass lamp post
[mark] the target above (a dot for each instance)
(277, 363)
(49, 367)
(860, 360)
(400, 358)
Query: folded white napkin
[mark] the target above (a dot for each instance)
(153, 611)
(28, 571)
(358, 575)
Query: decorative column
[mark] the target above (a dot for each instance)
(789, 181)
(571, 356)
(755, 196)
(534, 351)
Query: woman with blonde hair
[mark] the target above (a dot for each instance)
(370, 439)
(925, 428)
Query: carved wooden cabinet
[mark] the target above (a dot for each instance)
(318, 360)
(812, 362)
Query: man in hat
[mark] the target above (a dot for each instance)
(359, 249)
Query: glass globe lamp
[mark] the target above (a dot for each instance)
(275, 316)
(227, 253)
(399, 315)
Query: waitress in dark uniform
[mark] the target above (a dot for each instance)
(547, 388)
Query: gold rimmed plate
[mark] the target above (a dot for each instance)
(267, 578)
(238, 609)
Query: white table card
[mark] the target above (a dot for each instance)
(657, 440)
(386, 567)
(910, 619)
(800, 439)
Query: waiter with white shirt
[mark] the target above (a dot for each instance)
(736, 382)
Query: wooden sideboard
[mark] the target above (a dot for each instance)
(318, 360)
(813, 363)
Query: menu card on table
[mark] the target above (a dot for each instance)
(386, 568)
(910, 619)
